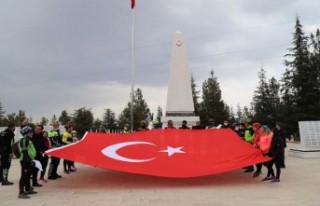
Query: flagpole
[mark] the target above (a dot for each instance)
(132, 69)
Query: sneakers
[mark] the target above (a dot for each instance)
(66, 171)
(267, 178)
(58, 176)
(275, 180)
(23, 196)
(256, 174)
(37, 185)
(52, 178)
(31, 192)
(7, 183)
(43, 180)
(72, 170)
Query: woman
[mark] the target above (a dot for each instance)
(277, 153)
(265, 145)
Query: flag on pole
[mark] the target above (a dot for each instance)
(133, 3)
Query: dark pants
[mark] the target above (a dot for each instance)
(283, 165)
(54, 166)
(0, 170)
(44, 164)
(278, 161)
(268, 165)
(24, 183)
(5, 161)
(259, 167)
(67, 165)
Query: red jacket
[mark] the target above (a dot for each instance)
(265, 143)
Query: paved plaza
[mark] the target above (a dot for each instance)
(90, 186)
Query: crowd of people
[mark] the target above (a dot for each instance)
(36, 142)
(31, 148)
(271, 142)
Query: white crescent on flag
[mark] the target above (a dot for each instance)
(111, 151)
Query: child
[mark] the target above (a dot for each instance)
(27, 154)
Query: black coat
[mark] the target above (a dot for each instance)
(277, 145)
(6, 140)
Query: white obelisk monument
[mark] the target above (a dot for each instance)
(180, 104)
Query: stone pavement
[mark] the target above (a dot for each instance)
(300, 185)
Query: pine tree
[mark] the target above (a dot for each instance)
(300, 80)
(315, 64)
(44, 121)
(82, 120)
(212, 107)
(2, 112)
(261, 102)
(97, 125)
(274, 96)
(195, 96)
(239, 114)
(64, 117)
(109, 119)
(141, 111)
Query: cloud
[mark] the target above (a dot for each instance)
(58, 55)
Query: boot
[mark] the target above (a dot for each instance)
(5, 177)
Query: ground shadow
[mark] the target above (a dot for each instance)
(92, 177)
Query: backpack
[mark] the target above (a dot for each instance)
(15, 148)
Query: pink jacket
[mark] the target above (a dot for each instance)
(265, 142)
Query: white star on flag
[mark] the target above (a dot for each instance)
(172, 150)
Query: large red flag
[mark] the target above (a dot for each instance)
(167, 153)
(133, 3)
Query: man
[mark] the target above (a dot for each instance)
(211, 124)
(170, 125)
(143, 126)
(197, 126)
(6, 140)
(184, 125)
(225, 125)
(39, 144)
(55, 140)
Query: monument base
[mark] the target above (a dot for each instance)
(177, 120)
(304, 153)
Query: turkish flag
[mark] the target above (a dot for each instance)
(166, 153)
(133, 3)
